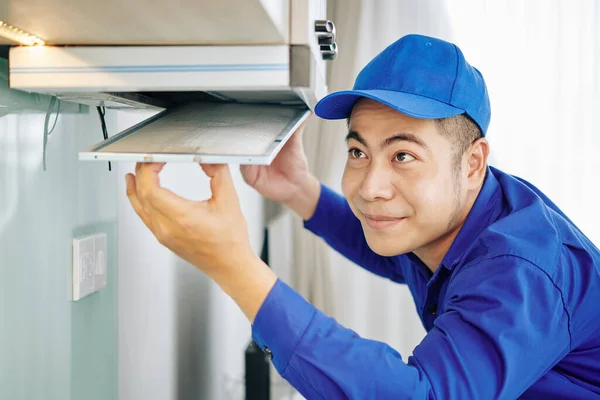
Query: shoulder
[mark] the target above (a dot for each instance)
(531, 228)
(534, 244)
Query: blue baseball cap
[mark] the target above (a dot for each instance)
(419, 76)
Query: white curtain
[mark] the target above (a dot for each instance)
(541, 61)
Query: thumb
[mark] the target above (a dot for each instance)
(221, 182)
(296, 139)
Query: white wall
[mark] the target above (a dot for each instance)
(180, 337)
(50, 347)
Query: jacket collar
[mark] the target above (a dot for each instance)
(486, 210)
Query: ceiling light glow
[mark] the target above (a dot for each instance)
(18, 35)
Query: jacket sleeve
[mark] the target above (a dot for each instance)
(502, 328)
(335, 222)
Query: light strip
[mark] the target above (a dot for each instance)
(19, 35)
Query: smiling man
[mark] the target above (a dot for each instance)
(505, 284)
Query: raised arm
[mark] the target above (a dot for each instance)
(288, 180)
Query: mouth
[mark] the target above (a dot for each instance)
(380, 222)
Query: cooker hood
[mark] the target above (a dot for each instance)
(246, 71)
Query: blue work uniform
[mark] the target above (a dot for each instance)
(513, 311)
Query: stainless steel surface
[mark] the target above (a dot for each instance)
(303, 73)
(325, 39)
(324, 26)
(300, 66)
(325, 31)
(329, 52)
(122, 100)
(21, 102)
(64, 22)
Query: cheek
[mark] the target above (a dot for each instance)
(433, 199)
(350, 183)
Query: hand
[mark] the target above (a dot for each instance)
(210, 234)
(288, 171)
(287, 179)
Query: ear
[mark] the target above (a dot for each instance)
(477, 156)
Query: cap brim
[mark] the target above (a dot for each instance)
(338, 105)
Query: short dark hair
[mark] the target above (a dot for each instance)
(462, 132)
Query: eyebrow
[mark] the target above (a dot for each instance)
(400, 137)
(354, 135)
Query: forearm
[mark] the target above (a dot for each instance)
(304, 202)
(464, 356)
(248, 281)
(324, 360)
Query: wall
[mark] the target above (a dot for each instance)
(50, 347)
(180, 337)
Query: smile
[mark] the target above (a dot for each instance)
(380, 222)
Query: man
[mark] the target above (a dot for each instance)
(505, 284)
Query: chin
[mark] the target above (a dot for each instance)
(387, 246)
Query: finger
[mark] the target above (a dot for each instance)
(295, 141)
(250, 173)
(293, 144)
(159, 224)
(146, 179)
(156, 167)
(304, 123)
(153, 197)
(133, 199)
(221, 182)
(297, 135)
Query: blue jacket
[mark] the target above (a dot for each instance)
(512, 311)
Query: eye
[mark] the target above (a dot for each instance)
(356, 153)
(404, 157)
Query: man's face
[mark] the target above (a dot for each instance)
(400, 179)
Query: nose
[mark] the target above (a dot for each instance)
(377, 184)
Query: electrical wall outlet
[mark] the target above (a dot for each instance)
(89, 265)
